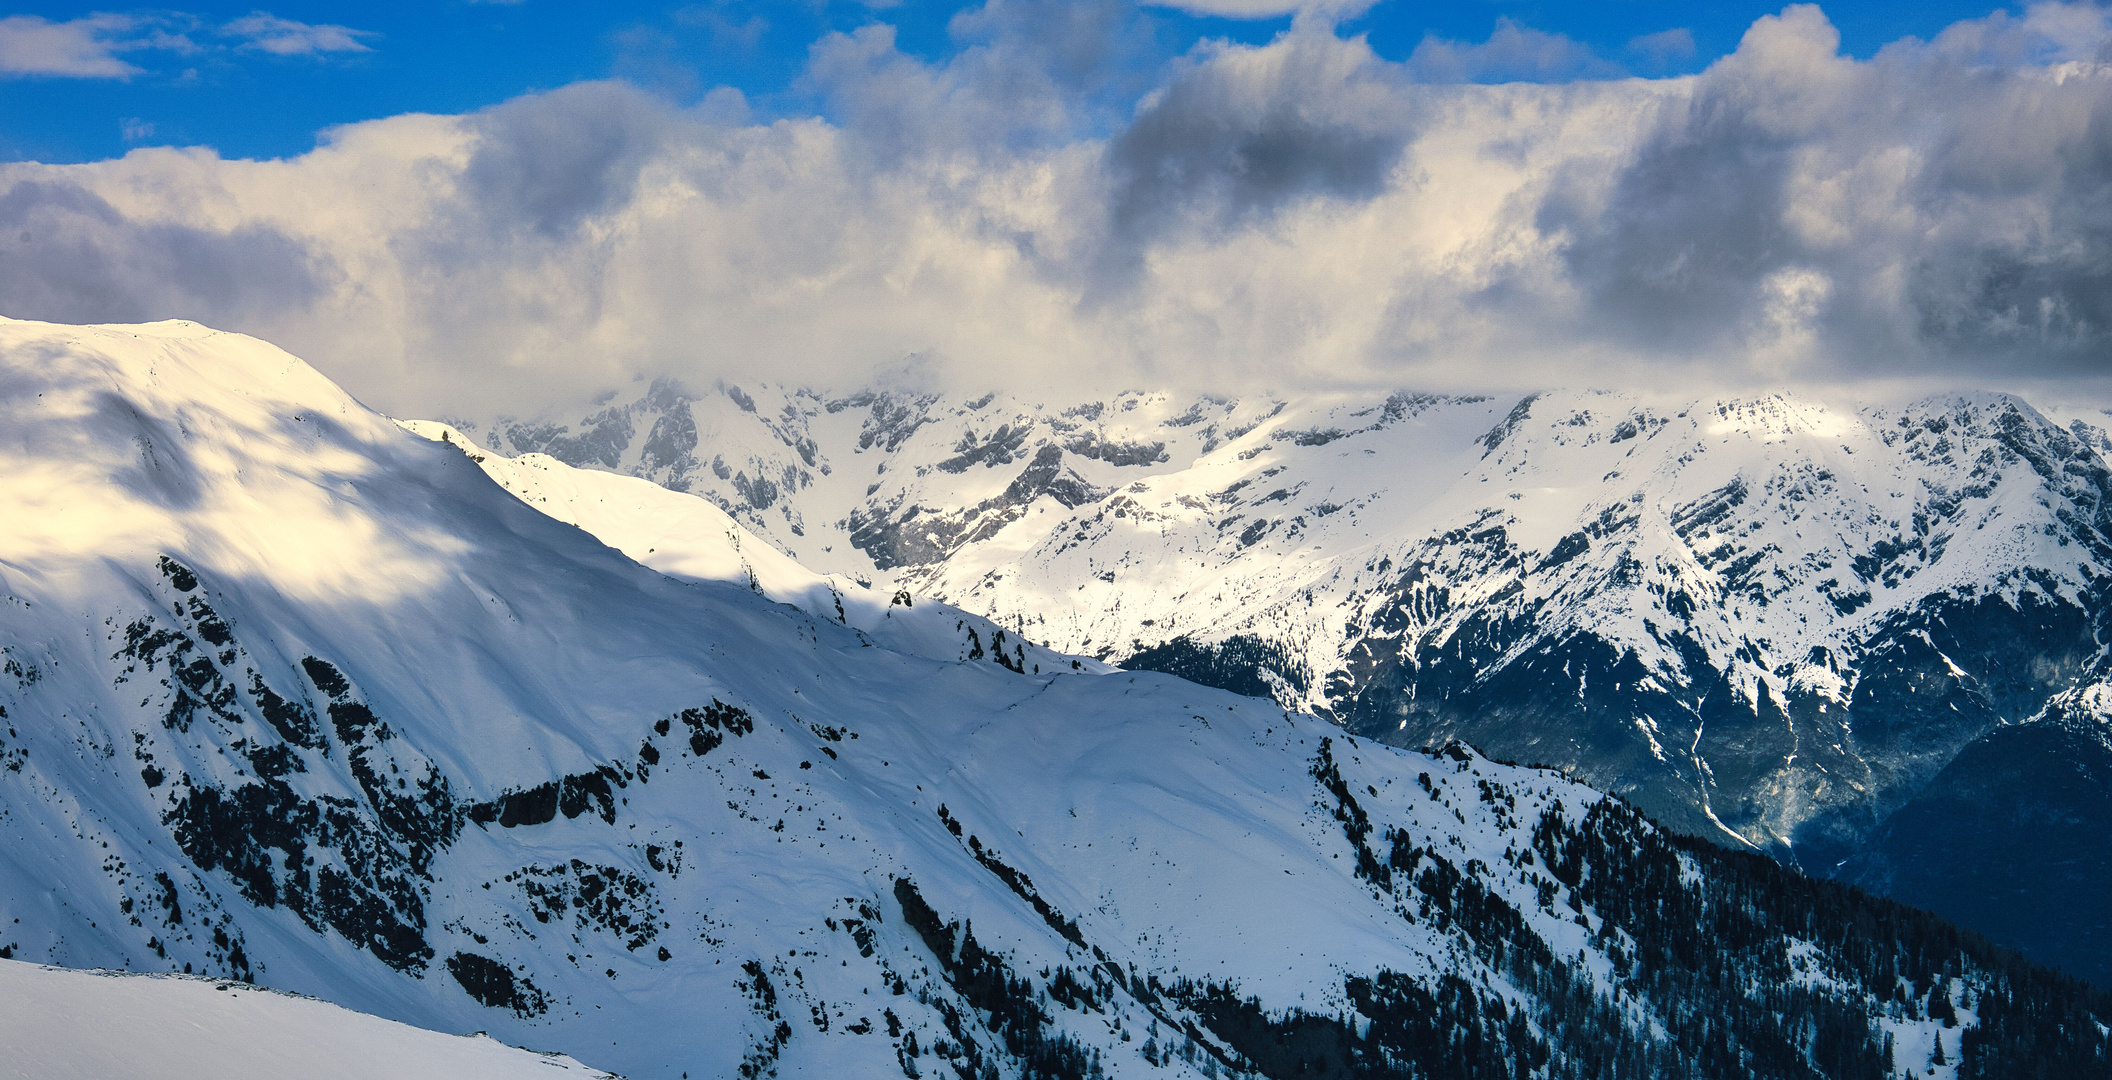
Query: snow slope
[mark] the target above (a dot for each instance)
(691, 539)
(296, 696)
(57, 1024)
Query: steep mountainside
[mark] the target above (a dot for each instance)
(2014, 837)
(293, 695)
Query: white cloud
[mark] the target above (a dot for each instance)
(92, 46)
(1301, 213)
(285, 37)
(1665, 46)
(1269, 9)
(83, 48)
(1514, 52)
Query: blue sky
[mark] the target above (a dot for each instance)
(532, 203)
(80, 82)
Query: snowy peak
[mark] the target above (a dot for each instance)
(112, 446)
(768, 456)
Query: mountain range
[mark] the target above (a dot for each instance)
(1771, 621)
(299, 696)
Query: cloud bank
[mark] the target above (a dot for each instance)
(1295, 215)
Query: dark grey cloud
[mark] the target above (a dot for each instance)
(547, 162)
(1929, 210)
(1693, 224)
(2041, 286)
(68, 255)
(1241, 135)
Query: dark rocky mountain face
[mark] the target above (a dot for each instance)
(1709, 755)
(2014, 838)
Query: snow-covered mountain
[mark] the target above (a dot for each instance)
(691, 539)
(57, 1024)
(297, 696)
(1768, 620)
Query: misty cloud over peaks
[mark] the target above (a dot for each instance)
(1056, 205)
(1240, 133)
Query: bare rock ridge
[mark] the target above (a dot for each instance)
(1772, 621)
